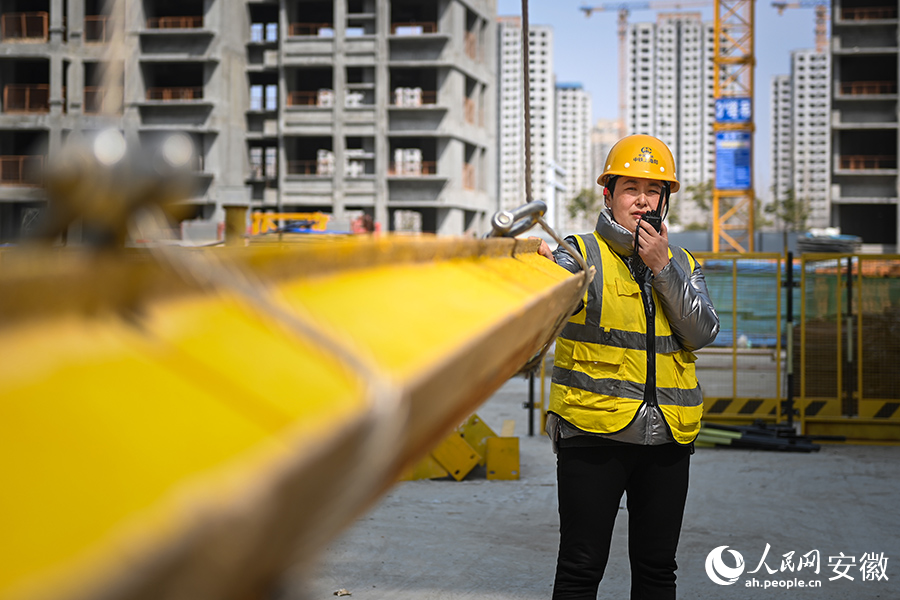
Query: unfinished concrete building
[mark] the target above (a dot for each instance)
(341, 106)
(864, 133)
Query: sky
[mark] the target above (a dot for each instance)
(586, 52)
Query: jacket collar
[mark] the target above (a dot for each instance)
(619, 239)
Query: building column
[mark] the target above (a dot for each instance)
(56, 26)
(338, 141)
(134, 87)
(75, 22)
(382, 99)
(75, 87)
(450, 221)
(56, 85)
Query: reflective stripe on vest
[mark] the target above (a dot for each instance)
(600, 368)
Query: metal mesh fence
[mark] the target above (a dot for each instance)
(741, 373)
(879, 306)
(849, 342)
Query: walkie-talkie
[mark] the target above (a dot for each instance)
(654, 218)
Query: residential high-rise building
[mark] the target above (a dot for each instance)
(669, 95)
(864, 136)
(604, 135)
(542, 96)
(384, 107)
(510, 120)
(781, 164)
(573, 147)
(800, 135)
(811, 79)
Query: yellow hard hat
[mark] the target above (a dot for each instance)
(640, 156)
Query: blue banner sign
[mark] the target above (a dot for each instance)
(733, 110)
(733, 160)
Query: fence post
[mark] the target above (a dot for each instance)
(789, 311)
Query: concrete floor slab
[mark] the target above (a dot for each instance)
(479, 539)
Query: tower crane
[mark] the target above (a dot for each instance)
(733, 66)
(624, 8)
(821, 7)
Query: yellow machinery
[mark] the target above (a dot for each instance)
(185, 423)
(263, 222)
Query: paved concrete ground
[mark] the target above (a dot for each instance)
(479, 539)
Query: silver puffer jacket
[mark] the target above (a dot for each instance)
(685, 300)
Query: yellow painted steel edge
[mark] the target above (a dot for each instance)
(155, 320)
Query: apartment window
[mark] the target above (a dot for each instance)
(264, 32)
(311, 19)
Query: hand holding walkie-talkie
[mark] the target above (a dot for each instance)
(654, 218)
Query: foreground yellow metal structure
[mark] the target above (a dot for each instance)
(187, 423)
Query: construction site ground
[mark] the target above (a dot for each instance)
(478, 539)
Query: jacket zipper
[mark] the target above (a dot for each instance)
(649, 314)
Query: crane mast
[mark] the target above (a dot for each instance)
(733, 65)
(821, 7)
(624, 10)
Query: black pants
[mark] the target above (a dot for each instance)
(591, 481)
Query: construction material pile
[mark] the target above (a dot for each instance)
(759, 436)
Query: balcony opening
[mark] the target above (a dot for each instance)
(862, 76)
(471, 102)
(413, 157)
(26, 85)
(311, 18)
(361, 7)
(413, 87)
(413, 17)
(312, 87)
(174, 82)
(200, 144)
(309, 156)
(22, 157)
(103, 89)
(263, 23)
(874, 10)
(473, 36)
(25, 21)
(868, 88)
(868, 150)
(174, 14)
(407, 221)
(98, 25)
(359, 157)
(874, 223)
(470, 171)
(360, 87)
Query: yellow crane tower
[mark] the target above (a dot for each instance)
(733, 195)
(624, 8)
(733, 64)
(821, 7)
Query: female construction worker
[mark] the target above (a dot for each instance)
(625, 405)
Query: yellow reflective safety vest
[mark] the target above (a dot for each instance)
(601, 365)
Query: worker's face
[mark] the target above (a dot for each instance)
(633, 197)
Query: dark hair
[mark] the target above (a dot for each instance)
(611, 183)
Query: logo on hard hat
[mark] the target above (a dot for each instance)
(646, 156)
